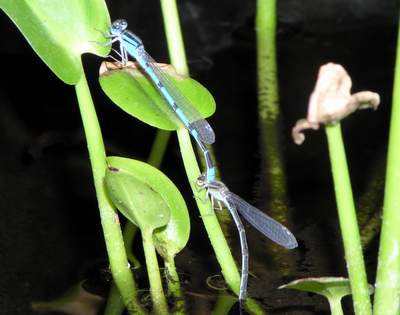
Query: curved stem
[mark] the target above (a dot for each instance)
(109, 218)
(335, 306)
(129, 234)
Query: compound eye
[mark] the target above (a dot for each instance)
(201, 181)
(123, 24)
(120, 24)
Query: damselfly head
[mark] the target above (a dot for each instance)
(201, 181)
(119, 26)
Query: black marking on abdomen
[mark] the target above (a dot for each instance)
(174, 106)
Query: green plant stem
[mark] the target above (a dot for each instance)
(335, 306)
(387, 294)
(174, 285)
(114, 305)
(268, 100)
(153, 271)
(270, 127)
(223, 304)
(371, 229)
(173, 280)
(174, 36)
(159, 147)
(109, 218)
(348, 221)
(129, 234)
(370, 203)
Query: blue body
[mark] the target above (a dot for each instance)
(180, 105)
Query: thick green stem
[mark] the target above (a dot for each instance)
(174, 285)
(335, 306)
(109, 218)
(268, 99)
(269, 122)
(348, 221)
(153, 271)
(114, 305)
(223, 304)
(387, 294)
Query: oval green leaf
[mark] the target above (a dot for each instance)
(135, 94)
(60, 31)
(136, 200)
(172, 238)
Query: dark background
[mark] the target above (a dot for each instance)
(50, 234)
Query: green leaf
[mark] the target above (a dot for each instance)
(333, 288)
(60, 31)
(136, 200)
(135, 94)
(171, 239)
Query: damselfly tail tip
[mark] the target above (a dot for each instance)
(292, 242)
(206, 133)
(293, 245)
(209, 137)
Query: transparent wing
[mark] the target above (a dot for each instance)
(197, 122)
(263, 223)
